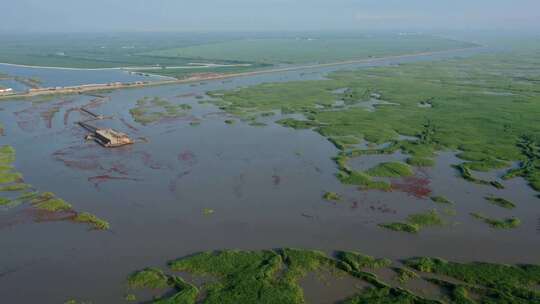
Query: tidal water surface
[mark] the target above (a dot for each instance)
(264, 185)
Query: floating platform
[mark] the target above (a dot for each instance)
(108, 138)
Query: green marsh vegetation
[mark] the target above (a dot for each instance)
(344, 142)
(177, 53)
(11, 183)
(501, 202)
(130, 298)
(441, 200)
(269, 276)
(92, 220)
(14, 187)
(51, 204)
(208, 211)
(150, 110)
(430, 218)
(253, 277)
(273, 276)
(483, 282)
(360, 261)
(391, 169)
(489, 130)
(401, 227)
(183, 73)
(98, 51)
(420, 162)
(506, 223)
(332, 196)
(315, 49)
(484, 107)
(530, 164)
(4, 201)
(404, 275)
(148, 278)
(415, 222)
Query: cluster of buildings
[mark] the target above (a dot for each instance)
(6, 91)
(84, 87)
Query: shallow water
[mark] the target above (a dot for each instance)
(265, 185)
(52, 77)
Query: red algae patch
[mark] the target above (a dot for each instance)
(85, 165)
(187, 157)
(149, 161)
(414, 186)
(40, 216)
(100, 179)
(276, 180)
(67, 113)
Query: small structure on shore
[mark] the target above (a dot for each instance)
(108, 138)
(5, 91)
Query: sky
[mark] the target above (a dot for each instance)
(266, 15)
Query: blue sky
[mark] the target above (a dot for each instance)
(266, 15)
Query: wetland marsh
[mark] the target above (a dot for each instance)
(304, 165)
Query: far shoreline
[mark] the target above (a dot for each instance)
(86, 88)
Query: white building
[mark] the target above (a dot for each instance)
(6, 91)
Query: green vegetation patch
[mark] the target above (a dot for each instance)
(486, 274)
(401, 227)
(420, 162)
(441, 200)
(430, 218)
(363, 180)
(530, 165)
(359, 261)
(387, 296)
(310, 49)
(7, 156)
(14, 187)
(466, 173)
(404, 274)
(391, 169)
(150, 110)
(415, 222)
(10, 177)
(507, 223)
(4, 201)
(501, 202)
(46, 201)
(92, 220)
(152, 278)
(208, 211)
(344, 142)
(352, 177)
(332, 196)
(254, 277)
(185, 293)
(272, 276)
(53, 205)
(297, 124)
(490, 131)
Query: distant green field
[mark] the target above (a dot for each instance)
(184, 73)
(179, 50)
(96, 50)
(308, 50)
